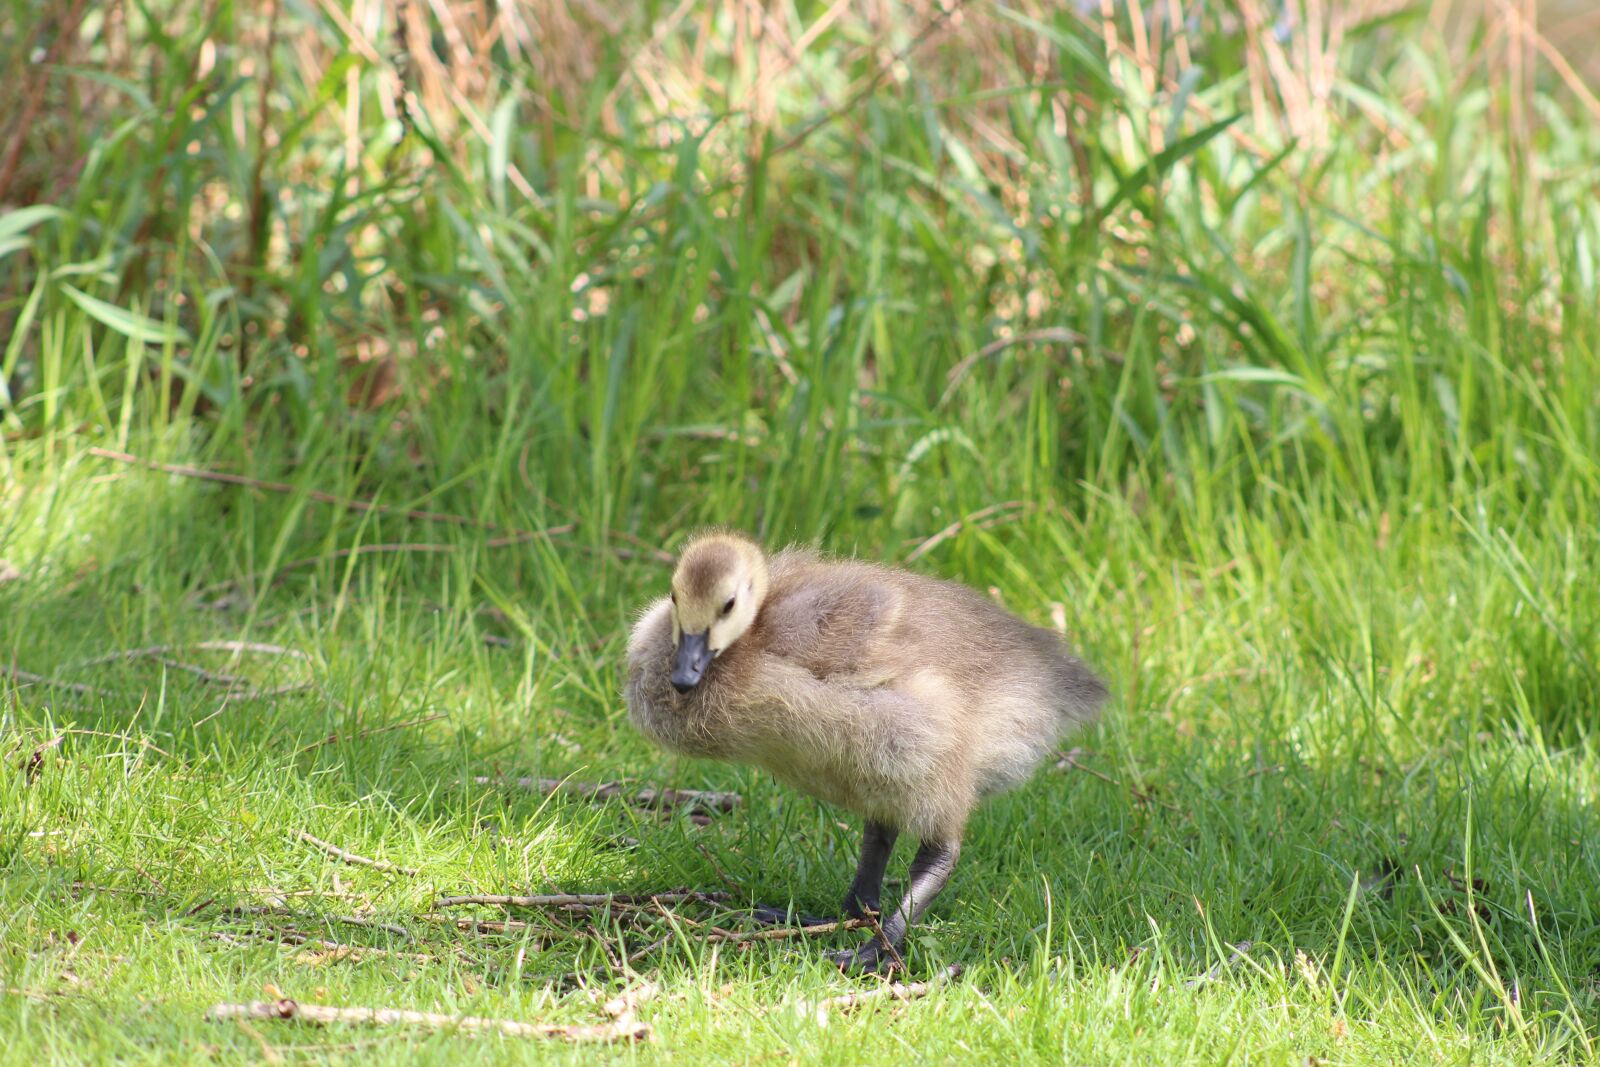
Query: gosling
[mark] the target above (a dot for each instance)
(902, 698)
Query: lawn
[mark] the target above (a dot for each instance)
(361, 376)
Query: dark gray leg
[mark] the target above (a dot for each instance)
(930, 870)
(877, 845)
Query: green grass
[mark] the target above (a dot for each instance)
(1307, 463)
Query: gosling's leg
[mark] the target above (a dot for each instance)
(930, 871)
(877, 845)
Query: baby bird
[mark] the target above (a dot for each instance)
(902, 698)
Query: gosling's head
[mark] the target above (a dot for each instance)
(716, 591)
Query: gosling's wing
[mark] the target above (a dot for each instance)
(645, 685)
(651, 637)
(831, 619)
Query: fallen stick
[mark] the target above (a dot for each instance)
(262, 694)
(650, 797)
(623, 1029)
(340, 950)
(480, 926)
(258, 647)
(233, 695)
(83, 689)
(90, 887)
(334, 949)
(357, 920)
(318, 495)
(29, 678)
(585, 900)
(351, 857)
(424, 547)
(152, 746)
(348, 920)
(1070, 761)
(783, 933)
(892, 991)
(897, 962)
(632, 958)
(231, 681)
(334, 738)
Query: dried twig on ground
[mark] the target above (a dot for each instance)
(330, 949)
(226, 478)
(1072, 760)
(420, 547)
(262, 694)
(718, 935)
(386, 548)
(651, 555)
(586, 900)
(157, 749)
(231, 681)
(335, 738)
(238, 687)
(351, 857)
(83, 689)
(632, 958)
(640, 953)
(649, 797)
(373, 924)
(891, 991)
(340, 950)
(29, 678)
(784, 933)
(481, 926)
(281, 910)
(90, 887)
(260, 648)
(237, 647)
(623, 1029)
(896, 961)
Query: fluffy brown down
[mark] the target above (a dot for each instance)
(902, 698)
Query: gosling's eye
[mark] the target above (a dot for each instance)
(728, 606)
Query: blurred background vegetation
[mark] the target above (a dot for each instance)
(1255, 345)
(864, 273)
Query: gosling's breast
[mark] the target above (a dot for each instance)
(694, 723)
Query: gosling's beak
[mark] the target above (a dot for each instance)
(694, 656)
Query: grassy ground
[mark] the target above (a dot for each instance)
(1265, 363)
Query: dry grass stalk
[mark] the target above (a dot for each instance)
(649, 797)
(581, 900)
(622, 1029)
(351, 857)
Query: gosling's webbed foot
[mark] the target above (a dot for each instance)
(769, 916)
(871, 958)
